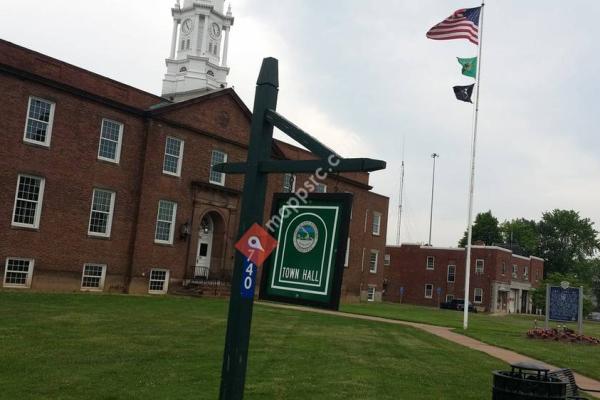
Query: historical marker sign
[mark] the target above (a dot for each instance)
(565, 304)
(307, 266)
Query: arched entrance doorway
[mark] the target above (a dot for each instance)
(204, 249)
(210, 247)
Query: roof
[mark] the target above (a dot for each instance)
(167, 106)
(38, 67)
(15, 58)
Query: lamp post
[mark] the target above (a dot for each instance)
(434, 156)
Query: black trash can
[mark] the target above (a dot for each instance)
(527, 381)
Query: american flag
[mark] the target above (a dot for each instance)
(463, 24)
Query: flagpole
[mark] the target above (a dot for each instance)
(434, 155)
(399, 228)
(472, 179)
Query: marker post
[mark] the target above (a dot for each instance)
(256, 169)
(237, 338)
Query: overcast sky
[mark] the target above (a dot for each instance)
(362, 77)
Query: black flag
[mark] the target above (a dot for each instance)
(463, 93)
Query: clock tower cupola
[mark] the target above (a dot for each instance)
(197, 62)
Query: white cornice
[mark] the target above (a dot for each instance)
(463, 249)
(473, 246)
(206, 9)
(197, 58)
(442, 248)
(520, 285)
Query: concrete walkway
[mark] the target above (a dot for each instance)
(507, 356)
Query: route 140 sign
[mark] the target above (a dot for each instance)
(307, 265)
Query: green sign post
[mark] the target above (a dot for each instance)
(307, 266)
(256, 169)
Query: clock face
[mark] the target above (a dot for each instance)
(215, 30)
(186, 26)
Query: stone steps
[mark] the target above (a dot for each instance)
(204, 288)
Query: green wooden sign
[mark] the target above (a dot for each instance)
(307, 266)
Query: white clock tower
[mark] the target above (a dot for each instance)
(198, 59)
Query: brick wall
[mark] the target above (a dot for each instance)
(71, 169)
(409, 270)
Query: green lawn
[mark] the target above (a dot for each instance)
(85, 346)
(503, 331)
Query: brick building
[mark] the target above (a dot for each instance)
(107, 187)
(500, 280)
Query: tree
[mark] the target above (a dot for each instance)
(485, 229)
(566, 239)
(588, 272)
(521, 235)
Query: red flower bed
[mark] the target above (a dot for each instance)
(562, 335)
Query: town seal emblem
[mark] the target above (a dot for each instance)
(306, 236)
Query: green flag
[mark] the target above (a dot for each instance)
(469, 66)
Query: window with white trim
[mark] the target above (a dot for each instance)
(371, 293)
(430, 262)
(288, 183)
(428, 291)
(40, 115)
(92, 277)
(387, 259)
(515, 269)
(173, 156)
(376, 223)
(111, 136)
(451, 273)
(479, 266)
(347, 258)
(320, 188)
(165, 222)
(159, 281)
(526, 272)
(101, 215)
(18, 272)
(28, 201)
(373, 261)
(217, 157)
(478, 295)
(449, 297)
(503, 268)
